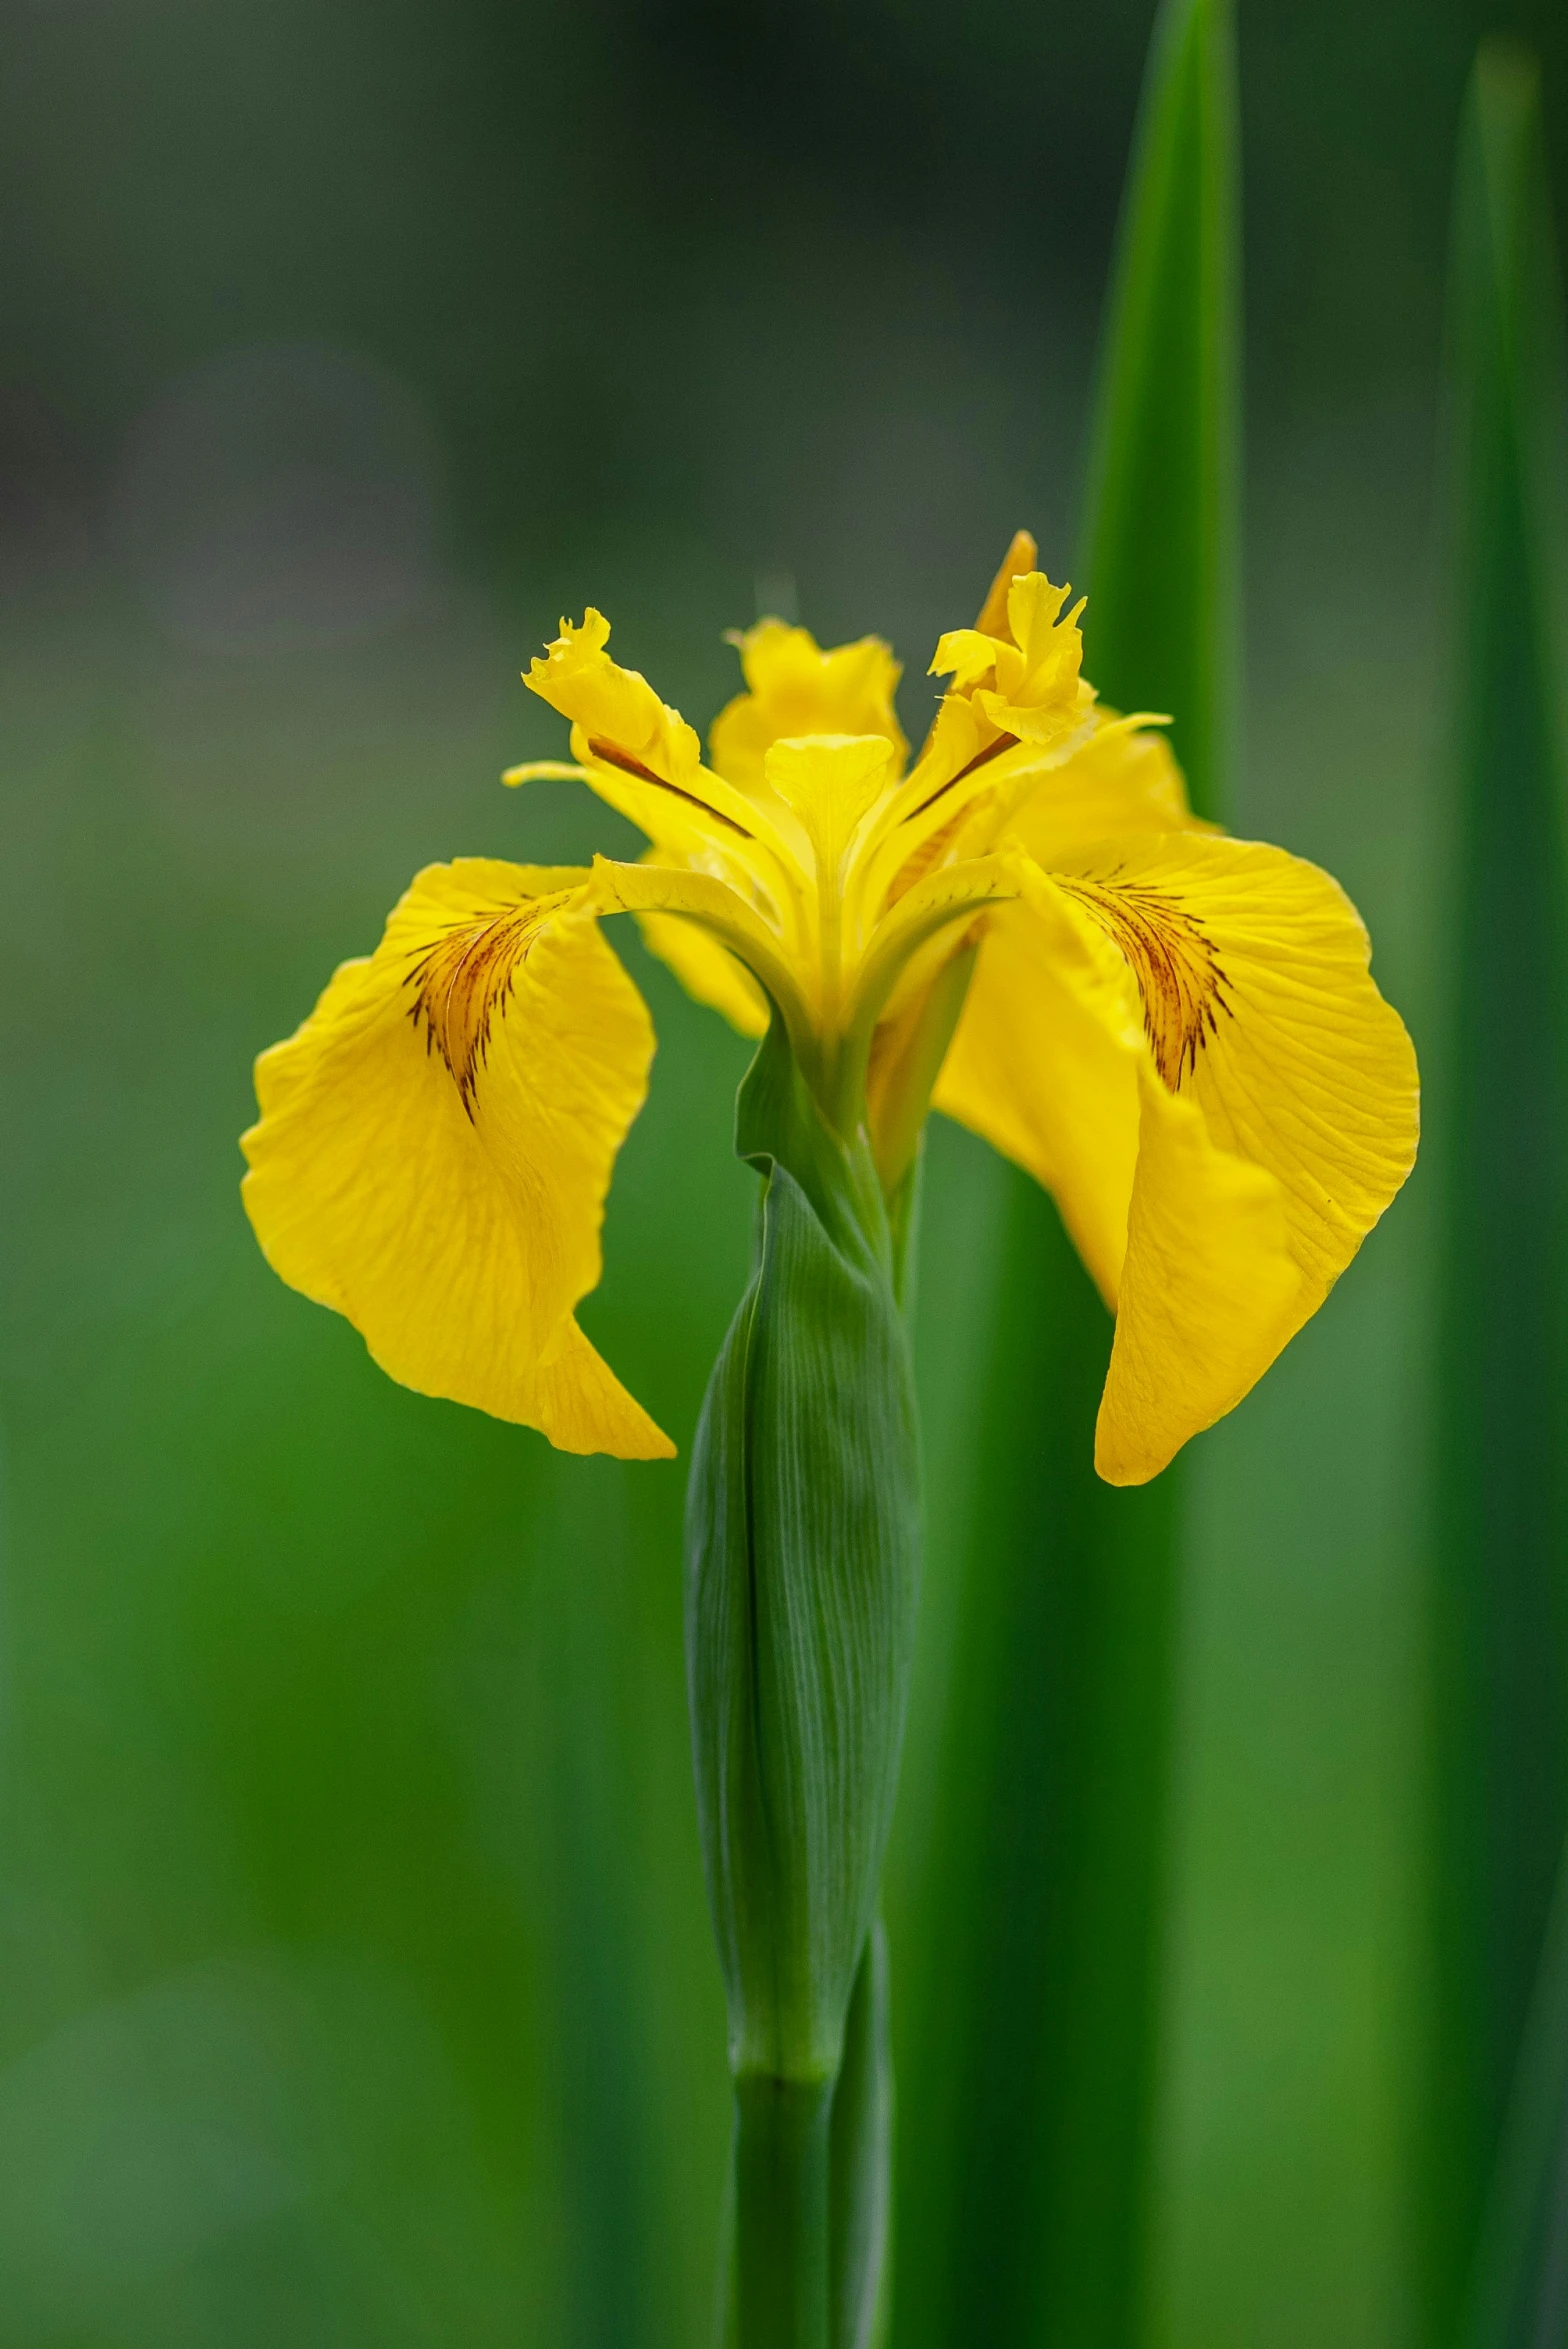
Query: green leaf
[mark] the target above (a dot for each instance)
(1160, 553)
(1519, 2298)
(803, 1570)
(1030, 2054)
(1498, 1079)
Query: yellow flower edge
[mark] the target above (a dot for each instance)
(1175, 1032)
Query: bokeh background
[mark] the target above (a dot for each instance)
(355, 1984)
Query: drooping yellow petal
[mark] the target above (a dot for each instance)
(1210, 1292)
(793, 688)
(436, 1142)
(1044, 1065)
(1213, 1090)
(1261, 1008)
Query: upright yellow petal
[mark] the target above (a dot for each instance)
(1028, 682)
(793, 687)
(830, 782)
(436, 1142)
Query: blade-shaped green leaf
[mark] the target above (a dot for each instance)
(1160, 549)
(1519, 2299)
(1501, 1097)
(1027, 2085)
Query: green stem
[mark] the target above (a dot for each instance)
(782, 2136)
(862, 2195)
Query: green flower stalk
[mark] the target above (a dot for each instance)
(1176, 1032)
(803, 1571)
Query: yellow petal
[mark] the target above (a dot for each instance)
(707, 970)
(1028, 682)
(436, 1142)
(638, 754)
(793, 688)
(829, 781)
(1209, 1292)
(1122, 781)
(1044, 1064)
(1019, 560)
(1261, 1009)
(1214, 1091)
(1015, 708)
(717, 909)
(940, 902)
(577, 677)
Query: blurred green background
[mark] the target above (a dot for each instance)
(355, 1982)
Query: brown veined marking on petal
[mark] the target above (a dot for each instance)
(623, 759)
(464, 979)
(1172, 956)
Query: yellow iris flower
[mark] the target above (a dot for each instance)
(1175, 1032)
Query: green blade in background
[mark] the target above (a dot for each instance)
(1033, 1967)
(1519, 2293)
(1160, 546)
(1500, 1097)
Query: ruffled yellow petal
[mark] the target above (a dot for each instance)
(1209, 1292)
(1017, 707)
(1020, 559)
(436, 1142)
(576, 676)
(638, 754)
(793, 688)
(1044, 1064)
(1029, 683)
(1261, 1008)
